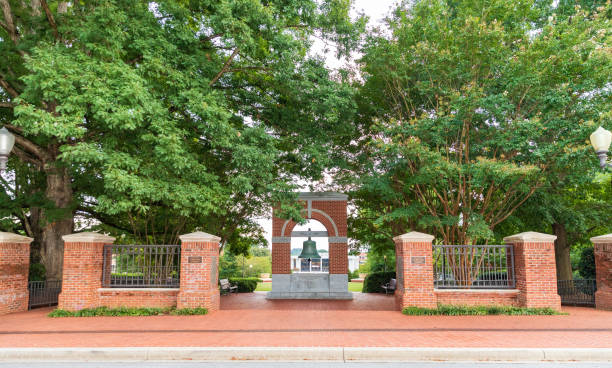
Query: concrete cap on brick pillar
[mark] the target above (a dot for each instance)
(88, 237)
(199, 236)
(530, 237)
(414, 236)
(14, 238)
(607, 239)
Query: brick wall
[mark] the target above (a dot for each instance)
(535, 269)
(477, 297)
(603, 268)
(199, 271)
(14, 267)
(281, 258)
(137, 298)
(83, 267)
(416, 271)
(82, 270)
(338, 258)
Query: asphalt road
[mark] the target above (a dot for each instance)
(183, 364)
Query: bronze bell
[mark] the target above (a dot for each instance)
(309, 249)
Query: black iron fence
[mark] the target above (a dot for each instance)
(577, 292)
(473, 266)
(141, 266)
(43, 293)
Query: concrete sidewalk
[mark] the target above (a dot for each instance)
(336, 354)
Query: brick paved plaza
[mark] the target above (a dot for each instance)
(369, 320)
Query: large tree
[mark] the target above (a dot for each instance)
(163, 117)
(474, 106)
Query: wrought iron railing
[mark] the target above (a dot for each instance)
(473, 267)
(141, 266)
(43, 293)
(577, 292)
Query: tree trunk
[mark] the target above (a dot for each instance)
(57, 224)
(562, 253)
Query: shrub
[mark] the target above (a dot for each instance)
(586, 264)
(125, 311)
(37, 272)
(373, 281)
(480, 310)
(353, 275)
(245, 284)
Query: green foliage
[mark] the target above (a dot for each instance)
(353, 275)
(373, 281)
(245, 284)
(228, 266)
(586, 265)
(37, 272)
(200, 311)
(474, 106)
(113, 312)
(380, 260)
(162, 118)
(484, 310)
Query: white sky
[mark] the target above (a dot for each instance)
(376, 10)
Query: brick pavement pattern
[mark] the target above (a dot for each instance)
(356, 323)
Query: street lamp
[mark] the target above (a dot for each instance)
(601, 140)
(7, 141)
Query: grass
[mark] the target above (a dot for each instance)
(124, 311)
(353, 286)
(264, 286)
(481, 310)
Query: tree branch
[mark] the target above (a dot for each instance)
(50, 18)
(8, 18)
(24, 156)
(30, 146)
(225, 67)
(7, 104)
(5, 86)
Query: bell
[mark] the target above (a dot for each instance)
(309, 249)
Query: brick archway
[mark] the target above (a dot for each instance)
(329, 208)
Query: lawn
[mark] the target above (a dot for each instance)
(267, 286)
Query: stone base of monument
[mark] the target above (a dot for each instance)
(309, 286)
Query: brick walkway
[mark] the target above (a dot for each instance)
(309, 323)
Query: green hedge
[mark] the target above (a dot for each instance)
(245, 284)
(127, 311)
(373, 281)
(479, 310)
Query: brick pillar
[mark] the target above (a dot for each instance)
(14, 267)
(281, 258)
(199, 271)
(535, 269)
(338, 258)
(82, 270)
(603, 268)
(415, 285)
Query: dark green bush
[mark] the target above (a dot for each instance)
(245, 284)
(373, 281)
(586, 265)
(37, 272)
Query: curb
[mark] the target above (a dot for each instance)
(341, 354)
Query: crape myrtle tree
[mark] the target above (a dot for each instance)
(473, 106)
(574, 213)
(158, 118)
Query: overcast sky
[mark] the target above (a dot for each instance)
(376, 10)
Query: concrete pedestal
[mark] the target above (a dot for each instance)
(310, 286)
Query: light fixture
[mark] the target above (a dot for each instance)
(601, 140)
(7, 141)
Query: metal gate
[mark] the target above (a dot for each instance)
(577, 292)
(43, 293)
